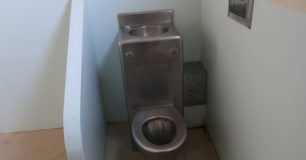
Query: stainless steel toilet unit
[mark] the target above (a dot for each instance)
(152, 65)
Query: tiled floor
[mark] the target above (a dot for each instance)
(198, 145)
(34, 145)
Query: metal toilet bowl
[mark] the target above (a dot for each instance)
(159, 132)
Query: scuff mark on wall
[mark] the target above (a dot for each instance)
(299, 5)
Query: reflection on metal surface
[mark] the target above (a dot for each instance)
(159, 131)
(146, 31)
(129, 55)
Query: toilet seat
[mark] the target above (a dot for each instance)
(145, 114)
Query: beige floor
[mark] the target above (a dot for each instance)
(34, 145)
(198, 145)
(49, 145)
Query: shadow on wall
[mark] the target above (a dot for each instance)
(93, 124)
(112, 84)
(215, 88)
(209, 60)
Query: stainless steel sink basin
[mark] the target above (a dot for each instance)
(147, 26)
(146, 31)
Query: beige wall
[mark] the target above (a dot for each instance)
(299, 5)
(33, 50)
(257, 82)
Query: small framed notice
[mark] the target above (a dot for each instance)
(241, 11)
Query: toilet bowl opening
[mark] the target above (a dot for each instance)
(159, 131)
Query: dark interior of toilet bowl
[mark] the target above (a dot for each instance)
(159, 131)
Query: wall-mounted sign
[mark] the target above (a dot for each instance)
(241, 11)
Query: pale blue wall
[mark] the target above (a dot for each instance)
(105, 29)
(84, 122)
(33, 51)
(93, 123)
